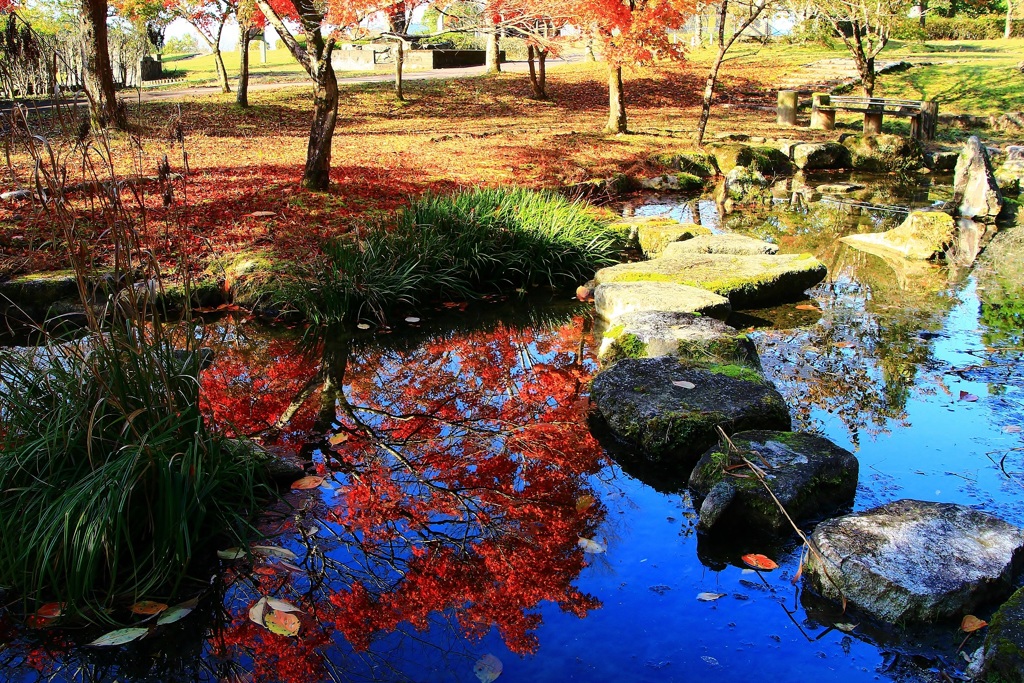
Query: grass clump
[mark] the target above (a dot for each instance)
(112, 480)
(460, 246)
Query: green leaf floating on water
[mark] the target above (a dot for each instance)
(231, 554)
(119, 637)
(274, 551)
(176, 613)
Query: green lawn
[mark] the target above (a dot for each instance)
(280, 66)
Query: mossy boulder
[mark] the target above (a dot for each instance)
(884, 153)
(674, 182)
(721, 244)
(767, 161)
(695, 338)
(1010, 176)
(1004, 643)
(922, 236)
(36, 294)
(746, 186)
(745, 280)
(695, 163)
(613, 300)
(821, 156)
(670, 410)
(809, 475)
(915, 561)
(654, 236)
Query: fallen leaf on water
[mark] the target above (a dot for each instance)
(412, 320)
(591, 546)
(1012, 429)
(176, 613)
(807, 307)
(847, 628)
(307, 483)
(759, 562)
(274, 551)
(339, 438)
(844, 345)
(685, 384)
(584, 502)
(488, 668)
(966, 396)
(50, 610)
(257, 611)
(362, 326)
(148, 608)
(971, 623)
(281, 605)
(231, 554)
(282, 623)
(709, 597)
(119, 637)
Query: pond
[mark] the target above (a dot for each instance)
(469, 520)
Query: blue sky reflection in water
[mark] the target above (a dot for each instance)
(880, 372)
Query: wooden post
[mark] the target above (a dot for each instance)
(786, 111)
(263, 49)
(820, 119)
(872, 122)
(930, 118)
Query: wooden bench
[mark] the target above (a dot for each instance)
(923, 115)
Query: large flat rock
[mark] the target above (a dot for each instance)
(721, 244)
(641, 404)
(916, 561)
(922, 236)
(655, 236)
(746, 280)
(619, 298)
(810, 476)
(698, 338)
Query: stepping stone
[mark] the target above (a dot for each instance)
(915, 561)
(810, 476)
(745, 280)
(616, 299)
(839, 188)
(922, 236)
(721, 244)
(642, 404)
(698, 338)
(655, 236)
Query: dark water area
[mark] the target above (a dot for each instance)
(468, 510)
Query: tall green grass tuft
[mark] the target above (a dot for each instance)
(460, 246)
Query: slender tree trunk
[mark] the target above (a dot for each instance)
(709, 93)
(399, 52)
(616, 101)
(222, 72)
(317, 175)
(97, 74)
(242, 96)
(542, 76)
(868, 77)
(588, 54)
(493, 48)
(537, 60)
(1008, 31)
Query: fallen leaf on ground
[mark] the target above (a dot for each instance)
(709, 597)
(591, 546)
(971, 623)
(261, 214)
(119, 637)
(685, 385)
(488, 668)
(307, 483)
(148, 608)
(807, 307)
(282, 623)
(759, 562)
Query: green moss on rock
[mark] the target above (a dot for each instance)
(767, 161)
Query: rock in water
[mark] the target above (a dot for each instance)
(673, 182)
(1010, 175)
(1004, 643)
(619, 298)
(721, 244)
(915, 561)
(975, 190)
(654, 236)
(651, 334)
(810, 475)
(745, 280)
(767, 161)
(922, 236)
(642, 405)
(883, 153)
(821, 156)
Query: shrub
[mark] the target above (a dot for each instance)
(985, 27)
(460, 246)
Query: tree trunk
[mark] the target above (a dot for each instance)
(317, 175)
(222, 72)
(588, 55)
(868, 77)
(709, 93)
(616, 101)
(1008, 31)
(97, 75)
(536, 58)
(242, 97)
(542, 67)
(493, 49)
(399, 65)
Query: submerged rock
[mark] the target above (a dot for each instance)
(809, 474)
(721, 244)
(670, 409)
(767, 161)
(1004, 643)
(975, 190)
(745, 280)
(922, 236)
(654, 236)
(815, 156)
(616, 299)
(883, 153)
(698, 338)
(915, 561)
